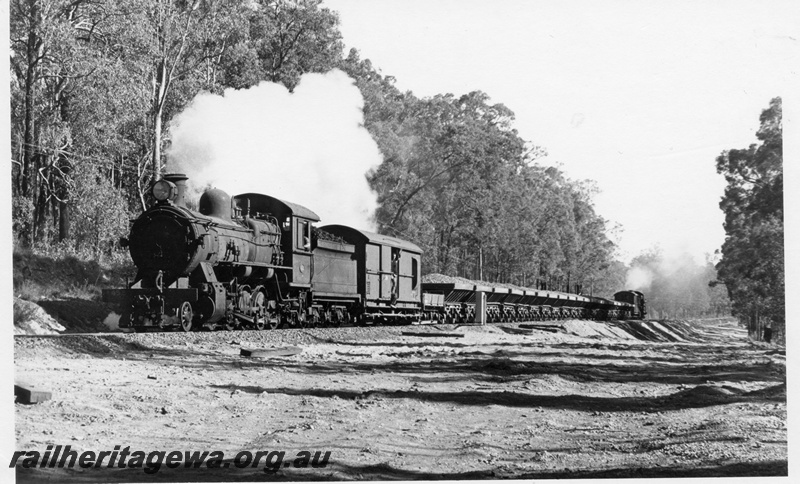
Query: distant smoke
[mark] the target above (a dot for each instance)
(308, 147)
(675, 268)
(639, 278)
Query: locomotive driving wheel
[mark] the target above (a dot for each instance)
(186, 315)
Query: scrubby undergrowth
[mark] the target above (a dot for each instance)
(67, 284)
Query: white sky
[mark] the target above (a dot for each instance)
(640, 96)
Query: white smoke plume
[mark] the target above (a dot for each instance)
(307, 147)
(675, 266)
(639, 278)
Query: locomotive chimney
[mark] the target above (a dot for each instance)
(179, 179)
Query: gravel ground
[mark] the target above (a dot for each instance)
(584, 400)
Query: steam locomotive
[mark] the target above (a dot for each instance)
(254, 261)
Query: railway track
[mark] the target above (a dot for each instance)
(511, 326)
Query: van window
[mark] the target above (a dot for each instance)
(414, 273)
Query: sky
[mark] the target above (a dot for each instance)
(639, 96)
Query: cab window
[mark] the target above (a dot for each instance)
(303, 239)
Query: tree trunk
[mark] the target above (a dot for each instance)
(33, 49)
(40, 203)
(28, 148)
(159, 95)
(63, 221)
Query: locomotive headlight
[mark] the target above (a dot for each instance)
(164, 190)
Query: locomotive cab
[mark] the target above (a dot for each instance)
(295, 222)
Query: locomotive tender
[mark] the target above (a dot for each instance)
(253, 261)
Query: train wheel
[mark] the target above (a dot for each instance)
(314, 320)
(185, 314)
(258, 310)
(336, 318)
(286, 320)
(230, 322)
(300, 320)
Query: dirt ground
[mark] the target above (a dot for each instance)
(578, 400)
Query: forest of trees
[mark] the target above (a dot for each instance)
(96, 84)
(752, 265)
(459, 181)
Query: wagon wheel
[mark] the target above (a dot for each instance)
(258, 310)
(185, 315)
(327, 318)
(314, 319)
(336, 317)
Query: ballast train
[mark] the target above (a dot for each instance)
(254, 261)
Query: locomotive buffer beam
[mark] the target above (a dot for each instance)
(171, 296)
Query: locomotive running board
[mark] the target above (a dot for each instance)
(254, 264)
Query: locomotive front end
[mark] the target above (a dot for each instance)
(166, 241)
(197, 268)
(163, 246)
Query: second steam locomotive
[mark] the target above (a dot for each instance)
(254, 261)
